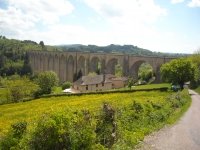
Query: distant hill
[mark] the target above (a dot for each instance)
(122, 49)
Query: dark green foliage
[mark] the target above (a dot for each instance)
(138, 107)
(15, 135)
(80, 74)
(13, 55)
(18, 129)
(66, 85)
(106, 129)
(26, 69)
(42, 45)
(13, 58)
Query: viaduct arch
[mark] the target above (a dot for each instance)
(67, 65)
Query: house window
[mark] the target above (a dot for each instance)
(96, 85)
(102, 84)
(86, 87)
(77, 88)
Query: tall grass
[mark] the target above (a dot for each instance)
(136, 113)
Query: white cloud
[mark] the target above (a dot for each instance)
(48, 11)
(25, 15)
(126, 21)
(177, 1)
(131, 21)
(126, 11)
(194, 3)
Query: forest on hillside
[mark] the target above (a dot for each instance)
(13, 58)
(122, 49)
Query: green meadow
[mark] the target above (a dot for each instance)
(137, 113)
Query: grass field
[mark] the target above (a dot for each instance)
(155, 110)
(151, 86)
(31, 110)
(147, 86)
(3, 95)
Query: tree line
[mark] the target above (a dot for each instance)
(13, 58)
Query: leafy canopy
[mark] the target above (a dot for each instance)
(145, 72)
(118, 70)
(46, 81)
(179, 71)
(19, 88)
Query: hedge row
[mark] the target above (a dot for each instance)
(162, 89)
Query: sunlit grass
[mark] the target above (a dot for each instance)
(151, 86)
(146, 86)
(32, 110)
(3, 95)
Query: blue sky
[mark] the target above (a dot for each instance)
(157, 25)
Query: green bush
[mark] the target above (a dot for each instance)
(46, 81)
(66, 85)
(106, 129)
(64, 131)
(18, 89)
(15, 135)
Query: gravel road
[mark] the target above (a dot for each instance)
(184, 135)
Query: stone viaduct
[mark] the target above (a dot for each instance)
(68, 64)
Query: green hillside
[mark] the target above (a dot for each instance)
(13, 55)
(123, 49)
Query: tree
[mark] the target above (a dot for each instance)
(46, 81)
(130, 83)
(80, 74)
(179, 71)
(26, 69)
(118, 70)
(66, 85)
(43, 46)
(145, 72)
(20, 88)
(98, 71)
(195, 58)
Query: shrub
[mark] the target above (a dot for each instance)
(106, 129)
(64, 131)
(46, 81)
(66, 85)
(20, 88)
(14, 136)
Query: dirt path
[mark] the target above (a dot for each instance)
(184, 135)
